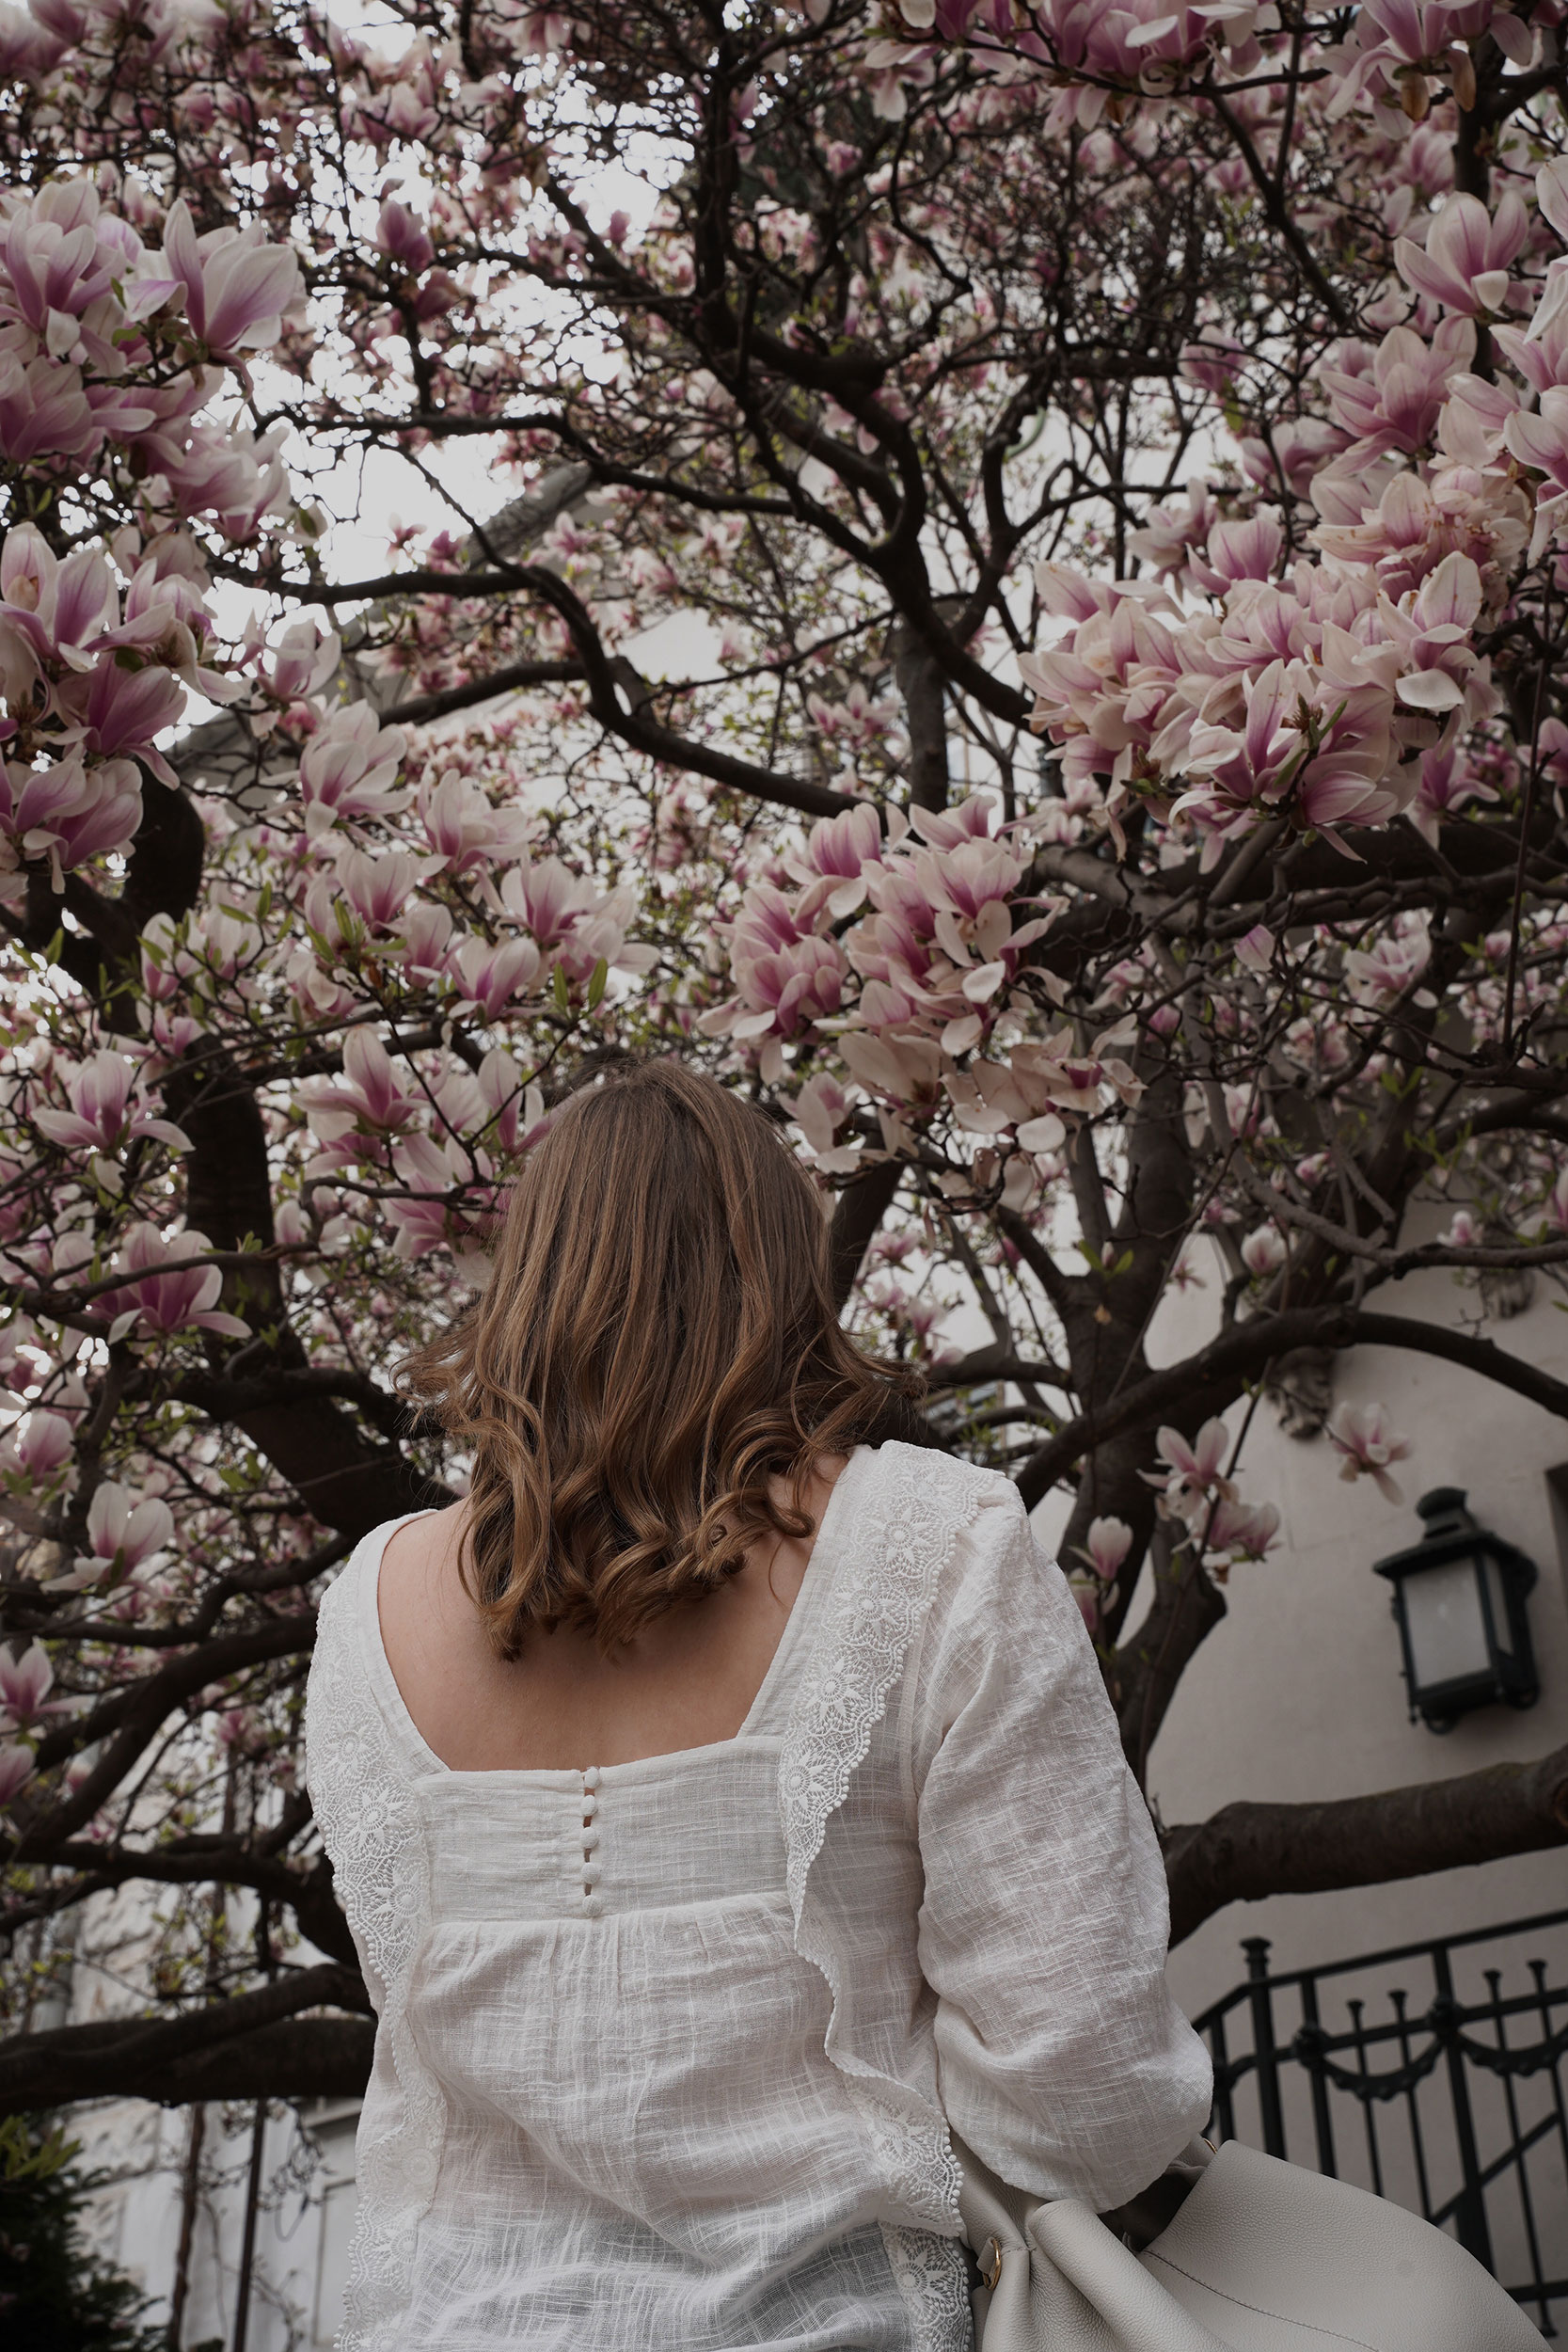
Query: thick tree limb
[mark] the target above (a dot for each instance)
(1217, 1375)
(857, 1213)
(920, 684)
(220, 1861)
(1247, 1850)
(160, 2058)
(1147, 1667)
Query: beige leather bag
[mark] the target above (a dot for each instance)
(1262, 2257)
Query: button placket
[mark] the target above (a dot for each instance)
(590, 1843)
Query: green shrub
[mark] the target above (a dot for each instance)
(56, 2296)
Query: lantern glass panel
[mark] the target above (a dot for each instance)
(1501, 1633)
(1447, 1630)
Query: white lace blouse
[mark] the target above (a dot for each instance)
(668, 2051)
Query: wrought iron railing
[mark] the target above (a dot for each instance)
(1415, 2073)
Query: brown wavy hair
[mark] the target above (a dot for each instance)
(657, 1340)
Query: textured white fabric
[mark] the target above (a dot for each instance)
(666, 2050)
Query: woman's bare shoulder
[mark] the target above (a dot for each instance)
(420, 1562)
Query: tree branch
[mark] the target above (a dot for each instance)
(1211, 1378)
(857, 1213)
(1247, 1850)
(229, 2049)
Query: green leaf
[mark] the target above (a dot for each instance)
(559, 989)
(596, 984)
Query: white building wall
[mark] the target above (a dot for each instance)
(1298, 1694)
(304, 2219)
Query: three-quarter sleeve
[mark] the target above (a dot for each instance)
(1063, 2059)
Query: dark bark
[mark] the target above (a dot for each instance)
(1147, 1668)
(1213, 1378)
(1247, 1850)
(301, 2058)
(925, 698)
(345, 1478)
(858, 1213)
(138, 2055)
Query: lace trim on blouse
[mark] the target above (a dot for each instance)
(370, 1826)
(911, 1509)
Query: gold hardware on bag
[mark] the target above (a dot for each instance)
(991, 2263)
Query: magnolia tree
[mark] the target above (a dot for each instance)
(992, 575)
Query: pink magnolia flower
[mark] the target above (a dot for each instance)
(230, 473)
(1246, 550)
(349, 770)
(1244, 1531)
(1551, 194)
(495, 1106)
(547, 898)
(788, 989)
(490, 974)
(425, 929)
(1362, 1435)
(821, 1109)
(166, 619)
(1264, 1250)
(1465, 265)
(403, 238)
(1270, 761)
(44, 411)
(968, 819)
(67, 813)
(115, 712)
(1394, 402)
(1382, 973)
(16, 1770)
(1193, 1471)
(379, 888)
(1084, 1593)
(162, 1295)
(50, 610)
(125, 1531)
(237, 285)
(1425, 652)
(104, 1114)
(1447, 783)
(303, 660)
(839, 848)
(907, 1070)
(465, 830)
(44, 1444)
(1106, 1546)
(1255, 953)
(1540, 351)
(26, 1683)
(369, 1095)
(1541, 441)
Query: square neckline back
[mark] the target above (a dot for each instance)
(395, 1707)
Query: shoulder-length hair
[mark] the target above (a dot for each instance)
(657, 1340)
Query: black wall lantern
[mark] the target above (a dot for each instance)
(1459, 1601)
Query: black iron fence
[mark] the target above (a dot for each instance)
(1433, 2073)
